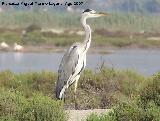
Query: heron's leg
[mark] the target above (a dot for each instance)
(75, 89)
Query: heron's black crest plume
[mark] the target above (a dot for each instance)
(87, 10)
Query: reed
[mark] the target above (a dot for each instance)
(114, 21)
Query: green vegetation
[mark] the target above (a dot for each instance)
(53, 19)
(20, 99)
(16, 107)
(142, 106)
(117, 29)
(101, 37)
(130, 95)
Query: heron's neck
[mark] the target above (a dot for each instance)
(87, 39)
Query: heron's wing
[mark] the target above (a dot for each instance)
(67, 67)
(68, 63)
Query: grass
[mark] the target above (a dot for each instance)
(115, 21)
(37, 38)
(16, 107)
(106, 88)
(100, 89)
(22, 98)
(144, 106)
(121, 27)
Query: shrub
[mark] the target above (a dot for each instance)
(143, 106)
(32, 27)
(128, 111)
(105, 117)
(151, 91)
(7, 79)
(15, 107)
(29, 82)
(109, 86)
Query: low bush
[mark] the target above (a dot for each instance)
(15, 107)
(105, 117)
(101, 89)
(144, 106)
(30, 82)
(107, 87)
(133, 96)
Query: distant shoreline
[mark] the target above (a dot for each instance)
(92, 50)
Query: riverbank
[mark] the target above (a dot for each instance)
(92, 50)
(35, 39)
(54, 49)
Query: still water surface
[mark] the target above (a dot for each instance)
(146, 62)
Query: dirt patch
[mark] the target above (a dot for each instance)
(81, 115)
(108, 33)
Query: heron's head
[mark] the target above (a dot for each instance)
(89, 13)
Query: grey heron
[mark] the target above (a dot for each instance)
(74, 59)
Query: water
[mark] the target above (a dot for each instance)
(146, 62)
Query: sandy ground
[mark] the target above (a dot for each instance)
(81, 115)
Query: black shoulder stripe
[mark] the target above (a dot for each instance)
(73, 71)
(74, 47)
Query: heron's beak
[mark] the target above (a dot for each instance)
(99, 14)
(103, 14)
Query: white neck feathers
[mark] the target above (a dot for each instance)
(87, 29)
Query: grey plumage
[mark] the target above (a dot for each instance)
(74, 59)
(67, 69)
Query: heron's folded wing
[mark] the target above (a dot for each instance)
(68, 66)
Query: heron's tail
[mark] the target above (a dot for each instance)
(60, 91)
